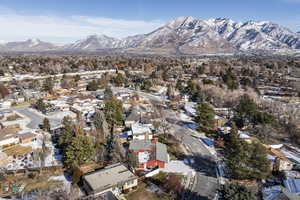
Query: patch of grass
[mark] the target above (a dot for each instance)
(13, 117)
(42, 184)
(17, 150)
(141, 193)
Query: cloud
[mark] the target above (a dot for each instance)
(68, 29)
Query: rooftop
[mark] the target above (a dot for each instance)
(109, 177)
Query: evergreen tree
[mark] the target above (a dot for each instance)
(230, 79)
(243, 160)
(46, 124)
(67, 133)
(236, 154)
(205, 116)
(236, 192)
(119, 80)
(101, 126)
(48, 85)
(92, 86)
(80, 151)
(113, 111)
(108, 94)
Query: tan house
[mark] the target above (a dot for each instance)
(116, 178)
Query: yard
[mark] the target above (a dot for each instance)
(142, 193)
(17, 150)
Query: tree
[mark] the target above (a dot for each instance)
(243, 160)
(200, 69)
(80, 151)
(230, 79)
(102, 133)
(108, 94)
(67, 133)
(233, 191)
(40, 105)
(205, 116)
(113, 111)
(247, 112)
(46, 124)
(48, 85)
(92, 86)
(3, 91)
(235, 154)
(119, 80)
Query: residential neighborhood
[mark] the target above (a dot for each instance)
(144, 134)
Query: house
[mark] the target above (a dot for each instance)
(116, 178)
(149, 154)
(8, 137)
(141, 132)
(27, 137)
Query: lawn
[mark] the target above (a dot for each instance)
(141, 193)
(17, 150)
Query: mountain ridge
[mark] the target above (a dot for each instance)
(184, 35)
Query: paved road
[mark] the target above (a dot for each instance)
(35, 119)
(206, 183)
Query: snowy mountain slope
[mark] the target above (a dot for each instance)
(252, 35)
(94, 42)
(29, 45)
(183, 35)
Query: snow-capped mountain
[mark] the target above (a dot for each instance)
(94, 42)
(29, 45)
(250, 35)
(185, 35)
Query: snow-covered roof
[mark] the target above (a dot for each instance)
(138, 129)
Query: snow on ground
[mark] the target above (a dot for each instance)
(291, 155)
(66, 180)
(177, 166)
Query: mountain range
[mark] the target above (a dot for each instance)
(184, 35)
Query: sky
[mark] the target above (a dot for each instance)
(63, 21)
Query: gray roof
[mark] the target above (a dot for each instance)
(140, 144)
(133, 116)
(109, 177)
(161, 152)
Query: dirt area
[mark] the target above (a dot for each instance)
(142, 193)
(17, 150)
(13, 117)
(29, 182)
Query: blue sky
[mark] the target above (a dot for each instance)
(68, 20)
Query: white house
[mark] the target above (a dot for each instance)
(141, 132)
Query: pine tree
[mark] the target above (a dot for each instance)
(80, 151)
(205, 116)
(46, 124)
(113, 111)
(108, 94)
